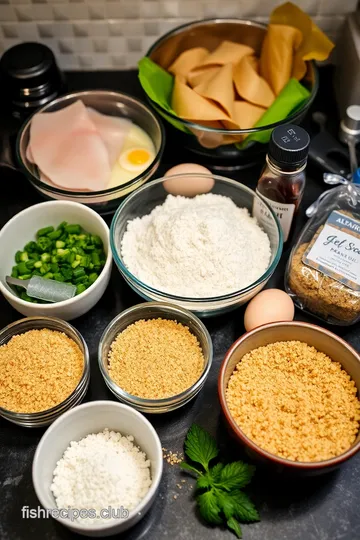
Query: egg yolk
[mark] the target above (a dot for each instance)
(138, 157)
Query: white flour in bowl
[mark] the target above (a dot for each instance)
(200, 247)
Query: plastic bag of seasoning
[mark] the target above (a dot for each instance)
(323, 271)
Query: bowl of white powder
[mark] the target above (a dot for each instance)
(97, 469)
(209, 252)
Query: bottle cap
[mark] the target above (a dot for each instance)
(29, 76)
(289, 145)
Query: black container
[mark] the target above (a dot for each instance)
(29, 77)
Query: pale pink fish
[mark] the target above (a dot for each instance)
(28, 154)
(112, 130)
(68, 149)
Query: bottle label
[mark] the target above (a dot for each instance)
(284, 212)
(335, 252)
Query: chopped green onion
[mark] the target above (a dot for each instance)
(44, 231)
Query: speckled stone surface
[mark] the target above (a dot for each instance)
(320, 508)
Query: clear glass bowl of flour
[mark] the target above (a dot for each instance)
(142, 202)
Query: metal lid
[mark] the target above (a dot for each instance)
(29, 75)
(289, 145)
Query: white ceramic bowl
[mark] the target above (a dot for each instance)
(22, 228)
(76, 424)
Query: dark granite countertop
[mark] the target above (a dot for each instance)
(320, 508)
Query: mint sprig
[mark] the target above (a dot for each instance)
(218, 495)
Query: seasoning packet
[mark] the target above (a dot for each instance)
(323, 271)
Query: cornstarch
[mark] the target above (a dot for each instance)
(102, 470)
(196, 247)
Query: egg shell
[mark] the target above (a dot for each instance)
(190, 186)
(268, 306)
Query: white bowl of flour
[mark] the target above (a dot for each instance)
(102, 457)
(208, 253)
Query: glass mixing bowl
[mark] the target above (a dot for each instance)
(145, 199)
(155, 310)
(45, 418)
(203, 140)
(105, 102)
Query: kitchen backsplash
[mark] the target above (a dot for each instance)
(114, 34)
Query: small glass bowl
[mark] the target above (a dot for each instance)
(153, 194)
(113, 104)
(44, 418)
(155, 310)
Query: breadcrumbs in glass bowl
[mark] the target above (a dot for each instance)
(44, 370)
(155, 356)
(289, 392)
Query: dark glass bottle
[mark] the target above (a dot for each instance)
(282, 181)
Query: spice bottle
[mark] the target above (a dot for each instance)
(282, 181)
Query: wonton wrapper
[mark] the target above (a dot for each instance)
(201, 75)
(228, 52)
(220, 88)
(251, 86)
(188, 60)
(246, 115)
(189, 105)
(315, 44)
(277, 54)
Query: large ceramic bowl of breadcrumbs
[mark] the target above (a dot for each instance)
(155, 356)
(44, 370)
(290, 394)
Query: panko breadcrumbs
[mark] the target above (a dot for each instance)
(155, 358)
(294, 401)
(38, 370)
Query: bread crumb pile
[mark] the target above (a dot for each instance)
(173, 458)
(101, 471)
(38, 370)
(155, 358)
(294, 401)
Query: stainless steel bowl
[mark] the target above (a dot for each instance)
(44, 418)
(155, 310)
(209, 34)
(106, 102)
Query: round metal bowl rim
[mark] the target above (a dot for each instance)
(168, 296)
(162, 402)
(85, 377)
(193, 125)
(78, 94)
(299, 465)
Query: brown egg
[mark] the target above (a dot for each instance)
(268, 306)
(191, 185)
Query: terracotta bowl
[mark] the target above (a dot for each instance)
(323, 340)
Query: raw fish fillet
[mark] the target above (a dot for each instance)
(29, 155)
(68, 149)
(112, 130)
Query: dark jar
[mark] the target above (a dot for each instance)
(282, 181)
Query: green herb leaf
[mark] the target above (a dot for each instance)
(216, 470)
(244, 509)
(190, 468)
(205, 481)
(236, 475)
(200, 446)
(209, 508)
(226, 503)
(234, 526)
